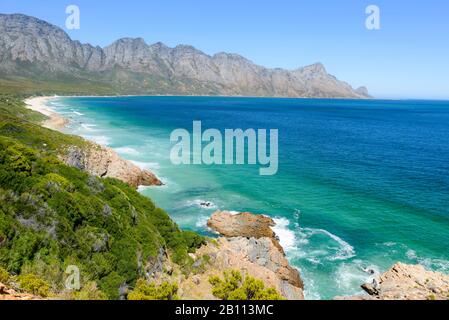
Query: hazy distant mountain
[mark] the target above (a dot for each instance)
(34, 49)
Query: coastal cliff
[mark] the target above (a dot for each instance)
(90, 157)
(104, 162)
(250, 248)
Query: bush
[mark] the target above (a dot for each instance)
(88, 292)
(149, 291)
(34, 285)
(4, 275)
(51, 213)
(234, 287)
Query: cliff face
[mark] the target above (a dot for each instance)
(249, 251)
(34, 48)
(105, 163)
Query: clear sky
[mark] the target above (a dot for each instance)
(407, 58)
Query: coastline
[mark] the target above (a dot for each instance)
(97, 159)
(39, 104)
(55, 121)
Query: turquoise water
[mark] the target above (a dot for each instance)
(361, 184)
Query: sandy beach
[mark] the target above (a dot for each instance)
(55, 121)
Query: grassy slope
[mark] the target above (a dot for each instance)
(52, 216)
(114, 82)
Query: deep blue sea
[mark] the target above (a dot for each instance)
(361, 185)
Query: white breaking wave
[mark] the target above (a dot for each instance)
(349, 276)
(127, 150)
(78, 113)
(202, 204)
(287, 237)
(440, 265)
(146, 165)
(202, 222)
(345, 251)
(102, 140)
(88, 127)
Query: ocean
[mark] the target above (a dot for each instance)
(362, 184)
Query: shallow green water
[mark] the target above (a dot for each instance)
(361, 184)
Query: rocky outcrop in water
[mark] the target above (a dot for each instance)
(248, 248)
(106, 163)
(34, 48)
(244, 225)
(406, 282)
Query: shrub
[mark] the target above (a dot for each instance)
(89, 291)
(234, 287)
(52, 214)
(4, 275)
(149, 291)
(34, 285)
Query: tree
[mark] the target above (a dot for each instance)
(145, 290)
(234, 286)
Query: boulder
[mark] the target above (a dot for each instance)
(406, 282)
(244, 224)
(250, 246)
(106, 163)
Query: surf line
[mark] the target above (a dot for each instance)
(235, 146)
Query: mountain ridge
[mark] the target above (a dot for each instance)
(33, 48)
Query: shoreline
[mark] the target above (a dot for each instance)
(58, 123)
(55, 121)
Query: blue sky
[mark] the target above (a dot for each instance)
(407, 58)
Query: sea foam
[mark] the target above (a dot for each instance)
(287, 237)
(127, 151)
(102, 140)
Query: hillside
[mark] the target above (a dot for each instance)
(53, 215)
(36, 56)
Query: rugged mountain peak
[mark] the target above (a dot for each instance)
(363, 91)
(159, 45)
(316, 68)
(131, 41)
(36, 49)
(188, 49)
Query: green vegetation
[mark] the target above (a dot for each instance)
(34, 285)
(112, 82)
(4, 275)
(234, 286)
(149, 291)
(89, 292)
(53, 216)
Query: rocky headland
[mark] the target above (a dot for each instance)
(106, 163)
(250, 246)
(91, 157)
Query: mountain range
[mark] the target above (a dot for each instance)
(40, 52)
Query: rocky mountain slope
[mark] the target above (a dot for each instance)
(35, 49)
